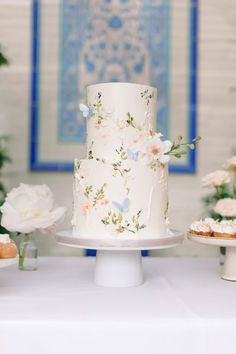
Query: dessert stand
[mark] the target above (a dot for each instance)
(119, 262)
(229, 269)
(8, 262)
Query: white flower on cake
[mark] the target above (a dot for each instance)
(156, 149)
(231, 164)
(216, 179)
(138, 140)
(30, 207)
(226, 207)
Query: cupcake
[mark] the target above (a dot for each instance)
(225, 229)
(201, 228)
(8, 247)
(210, 221)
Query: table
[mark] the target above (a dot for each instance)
(183, 307)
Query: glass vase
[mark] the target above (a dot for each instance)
(28, 253)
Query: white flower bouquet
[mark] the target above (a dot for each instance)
(221, 203)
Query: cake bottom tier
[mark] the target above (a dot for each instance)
(126, 200)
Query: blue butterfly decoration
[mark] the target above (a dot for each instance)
(123, 207)
(84, 109)
(132, 155)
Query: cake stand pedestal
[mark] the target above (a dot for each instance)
(229, 269)
(118, 262)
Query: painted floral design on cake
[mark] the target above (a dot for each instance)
(118, 220)
(147, 95)
(93, 197)
(121, 188)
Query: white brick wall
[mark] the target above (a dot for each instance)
(216, 112)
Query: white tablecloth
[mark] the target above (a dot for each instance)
(183, 308)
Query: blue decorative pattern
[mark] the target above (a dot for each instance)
(82, 63)
(103, 42)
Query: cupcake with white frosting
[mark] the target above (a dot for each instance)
(210, 221)
(202, 227)
(225, 229)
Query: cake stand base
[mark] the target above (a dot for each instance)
(118, 262)
(229, 268)
(118, 268)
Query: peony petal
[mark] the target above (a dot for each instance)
(50, 219)
(168, 145)
(164, 159)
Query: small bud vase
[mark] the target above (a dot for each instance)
(28, 253)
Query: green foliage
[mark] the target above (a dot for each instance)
(178, 148)
(4, 159)
(3, 59)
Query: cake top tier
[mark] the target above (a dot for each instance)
(117, 112)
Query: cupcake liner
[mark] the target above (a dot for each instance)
(224, 235)
(200, 233)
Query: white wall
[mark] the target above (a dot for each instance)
(216, 113)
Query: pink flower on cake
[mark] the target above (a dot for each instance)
(226, 207)
(104, 201)
(156, 149)
(86, 207)
(231, 164)
(216, 179)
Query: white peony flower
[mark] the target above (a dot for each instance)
(216, 179)
(30, 207)
(231, 164)
(156, 149)
(226, 207)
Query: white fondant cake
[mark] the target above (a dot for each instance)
(120, 190)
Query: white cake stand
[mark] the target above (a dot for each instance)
(229, 269)
(8, 262)
(119, 262)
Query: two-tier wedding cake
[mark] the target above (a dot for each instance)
(120, 189)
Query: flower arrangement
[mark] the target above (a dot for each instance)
(221, 203)
(28, 208)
